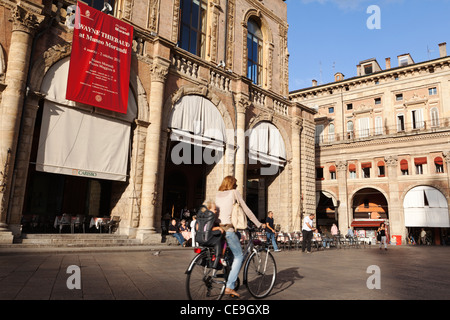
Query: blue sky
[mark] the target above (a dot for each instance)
(327, 33)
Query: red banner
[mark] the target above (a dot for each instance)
(99, 71)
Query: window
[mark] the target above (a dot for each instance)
(434, 117)
(331, 132)
(439, 164)
(352, 171)
(350, 130)
(193, 26)
(366, 169)
(366, 203)
(404, 167)
(319, 133)
(403, 61)
(419, 169)
(319, 173)
(378, 125)
(331, 110)
(399, 97)
(377, 100)
(368, 69)
(432, 91)
(419, 164)
(381, 169)
(254, 52)
(400, 122)
(364, 127)
(349, 106)
(98, 4)
(417, 119)
(332, 172)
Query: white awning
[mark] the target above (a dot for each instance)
(76, 142)
(266, 145)
(81, 140)
(196, 120)
(426, 207)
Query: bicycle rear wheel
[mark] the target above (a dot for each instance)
(260, 273)
(202, 281)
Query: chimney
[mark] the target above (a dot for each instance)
(443, 49)
(388, 63)
(314, 83)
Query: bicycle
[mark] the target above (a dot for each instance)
(205, 283)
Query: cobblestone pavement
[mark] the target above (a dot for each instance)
(405, 272)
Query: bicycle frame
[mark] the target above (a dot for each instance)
(246, 253)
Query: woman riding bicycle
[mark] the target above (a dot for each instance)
(225, 199)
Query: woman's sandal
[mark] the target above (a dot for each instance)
(231, 292)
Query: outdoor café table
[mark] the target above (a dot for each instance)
(64, 220)
(98, 223)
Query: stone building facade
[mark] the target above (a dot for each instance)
(382, 140)
(229, 55)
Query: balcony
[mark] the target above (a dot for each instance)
(401, 130)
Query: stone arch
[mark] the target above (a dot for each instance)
(437, 187)
(278, 124)
(201, 91)
(354, 194)
(253, 13)
(58, 52)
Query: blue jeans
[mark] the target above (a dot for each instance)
(235, 246)
(179, 237)
(271, 237)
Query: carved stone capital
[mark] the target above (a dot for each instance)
(391, 161)
(243, 105)
(159, 72)
(447, 157)
(341, 165)
(24, 20)
(297, 124)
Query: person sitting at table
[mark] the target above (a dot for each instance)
(184, 230)
(317, 238)
(175, 232)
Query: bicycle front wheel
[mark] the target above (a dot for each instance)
(260, 273)
(202, 281)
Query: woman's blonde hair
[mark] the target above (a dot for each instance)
(209, 203)
(228, 183)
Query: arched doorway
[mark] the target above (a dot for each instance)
(196, 147)
(266, 161)
(426, 208)
(79, 155)
(326, 210)
(370, 209)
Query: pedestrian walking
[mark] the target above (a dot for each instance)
(382, 236)
(307, 232)
(270, 231)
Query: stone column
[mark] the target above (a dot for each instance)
(23, 160)
(396, 218)
(150, 187)
(296, 127)
(24, 27)
(239, 172)
(343, 212)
